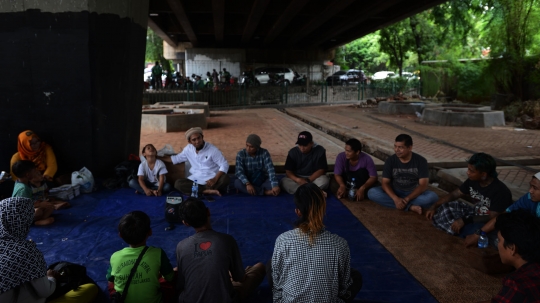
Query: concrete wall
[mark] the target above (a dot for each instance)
(72, 74)
(199, 61)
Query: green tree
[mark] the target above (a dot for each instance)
(154, 50)
(512, 29)
(396, 40)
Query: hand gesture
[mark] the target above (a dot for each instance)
(359, 194)
(341, 191)
(471, 240)
(457, 225)
(430, 213)
(399, 203)
(276, 190)
(251, 189)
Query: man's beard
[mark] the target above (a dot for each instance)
(199, 148)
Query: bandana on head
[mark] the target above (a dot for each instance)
(20, 259)
(26, 152)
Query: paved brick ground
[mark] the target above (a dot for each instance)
(517, 177)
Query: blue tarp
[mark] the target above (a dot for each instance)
(87, 234)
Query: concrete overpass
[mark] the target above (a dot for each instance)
(72, 68)
(276, 24)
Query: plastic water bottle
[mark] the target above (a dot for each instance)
(483, 241)
(195, 189)
(352, 192)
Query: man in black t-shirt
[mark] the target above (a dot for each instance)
(305, 163)
(490, 197)
(405, 180)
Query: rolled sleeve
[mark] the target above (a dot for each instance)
(220, 160)
(179, 158)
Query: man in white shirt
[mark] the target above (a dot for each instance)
(208, 165)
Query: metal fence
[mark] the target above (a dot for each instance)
(241, 96)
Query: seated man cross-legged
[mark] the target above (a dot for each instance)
(489, 194)
(405, 179)
(208, 165)
(305, 163)
(529, 202)
(353, 163)
(255, 170)
(209, 262)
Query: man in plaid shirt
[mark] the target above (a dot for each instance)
(255, 170)
(519, 246)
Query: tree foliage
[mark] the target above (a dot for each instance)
(461, 29)
(396, 41)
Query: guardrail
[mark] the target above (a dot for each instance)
(242, 96)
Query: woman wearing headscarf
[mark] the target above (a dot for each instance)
(23, 272)
(30, 147)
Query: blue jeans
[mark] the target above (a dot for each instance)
(378, 195)
(134, 183)
(259, 190)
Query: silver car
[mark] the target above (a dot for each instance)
(262, 73)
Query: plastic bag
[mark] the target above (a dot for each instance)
(166, 150)
(84, 178)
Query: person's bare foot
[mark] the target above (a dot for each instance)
(269, 192)
(417, 209)
(212, 192)
(43, 222)
(61, 205)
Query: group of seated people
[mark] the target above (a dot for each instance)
(209, 265)
(33, 167)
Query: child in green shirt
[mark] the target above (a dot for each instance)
(134, 229)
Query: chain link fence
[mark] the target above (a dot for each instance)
(242, 96)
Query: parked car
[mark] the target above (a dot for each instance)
(410, 76)
(382, 75)
(262, 74)
(346, 77)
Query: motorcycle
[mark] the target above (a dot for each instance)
(248, 79)
(299, 80)
(277, 80)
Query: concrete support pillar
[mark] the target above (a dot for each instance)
(72, 72)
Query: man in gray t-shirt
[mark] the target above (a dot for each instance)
(405, 180)
(208, 260)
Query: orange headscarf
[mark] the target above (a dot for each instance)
(26, 152)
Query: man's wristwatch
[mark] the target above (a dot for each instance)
(478, 232)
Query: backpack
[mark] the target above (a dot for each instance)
(71, 277)
(172, 209)
(126, 171)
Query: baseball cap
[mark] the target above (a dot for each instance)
(304, 138)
